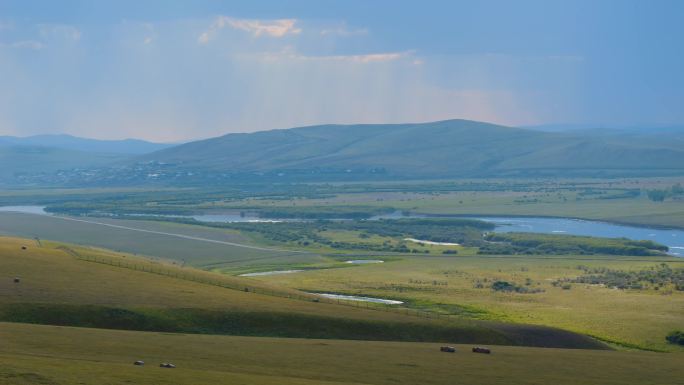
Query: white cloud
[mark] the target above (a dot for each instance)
(343, 31)
(176, 89)
(368, 58)
(288, 53)
(257, 28)
(203, 38)
(24, 44)
(62, 31)
(274, 28)
(150, 34)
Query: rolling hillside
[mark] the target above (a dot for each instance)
(61, 284)
(453, 148)
(446, 149)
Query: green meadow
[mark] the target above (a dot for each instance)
(37, 354)
(462, 285)
(68, 285)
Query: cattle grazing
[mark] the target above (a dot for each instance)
(167, 365)
(448, 349)
(478, 349)
(139, 363)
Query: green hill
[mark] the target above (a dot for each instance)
(67, 285)
(453, 148)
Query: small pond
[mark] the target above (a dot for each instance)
(360, 299)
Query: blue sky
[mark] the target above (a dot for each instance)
(179, 70)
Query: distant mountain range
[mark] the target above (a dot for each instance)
(38, 157)
(19, 162)
(68, 142)
(445, 149)
(452, 148)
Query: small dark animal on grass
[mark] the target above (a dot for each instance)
(23, 247)
(447, 349)
(139, 363)
(167, 365)
(478, 349)
(17, 279)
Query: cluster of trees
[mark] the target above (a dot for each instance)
(657, 277)
(532, 243)
(452, 230)
(661, 195)
(462, 231)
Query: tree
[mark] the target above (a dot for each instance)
(657, 195)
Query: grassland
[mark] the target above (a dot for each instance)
(444, 284)
(613, 200)
(60, 285)
(34, 354)
(461, 284)
(161, 240)
(634, 210)
(70, 285)
(617, 200)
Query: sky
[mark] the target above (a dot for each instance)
(181, 70)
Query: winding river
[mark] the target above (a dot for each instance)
(672, 238)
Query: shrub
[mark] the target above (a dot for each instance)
(503, 286)
(676, 337)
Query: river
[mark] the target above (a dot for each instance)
(674, 239)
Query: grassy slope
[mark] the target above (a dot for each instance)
(33, 354)
(194, 252)
(639, 318)
(58, 288)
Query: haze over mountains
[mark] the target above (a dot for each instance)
(451, 148)
(46, 154)
(69, 142)
(445, 149)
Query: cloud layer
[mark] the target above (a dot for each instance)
(257, 28)
(193, 78)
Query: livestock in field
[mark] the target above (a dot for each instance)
(479, 349)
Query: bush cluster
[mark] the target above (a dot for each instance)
(533, 243)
